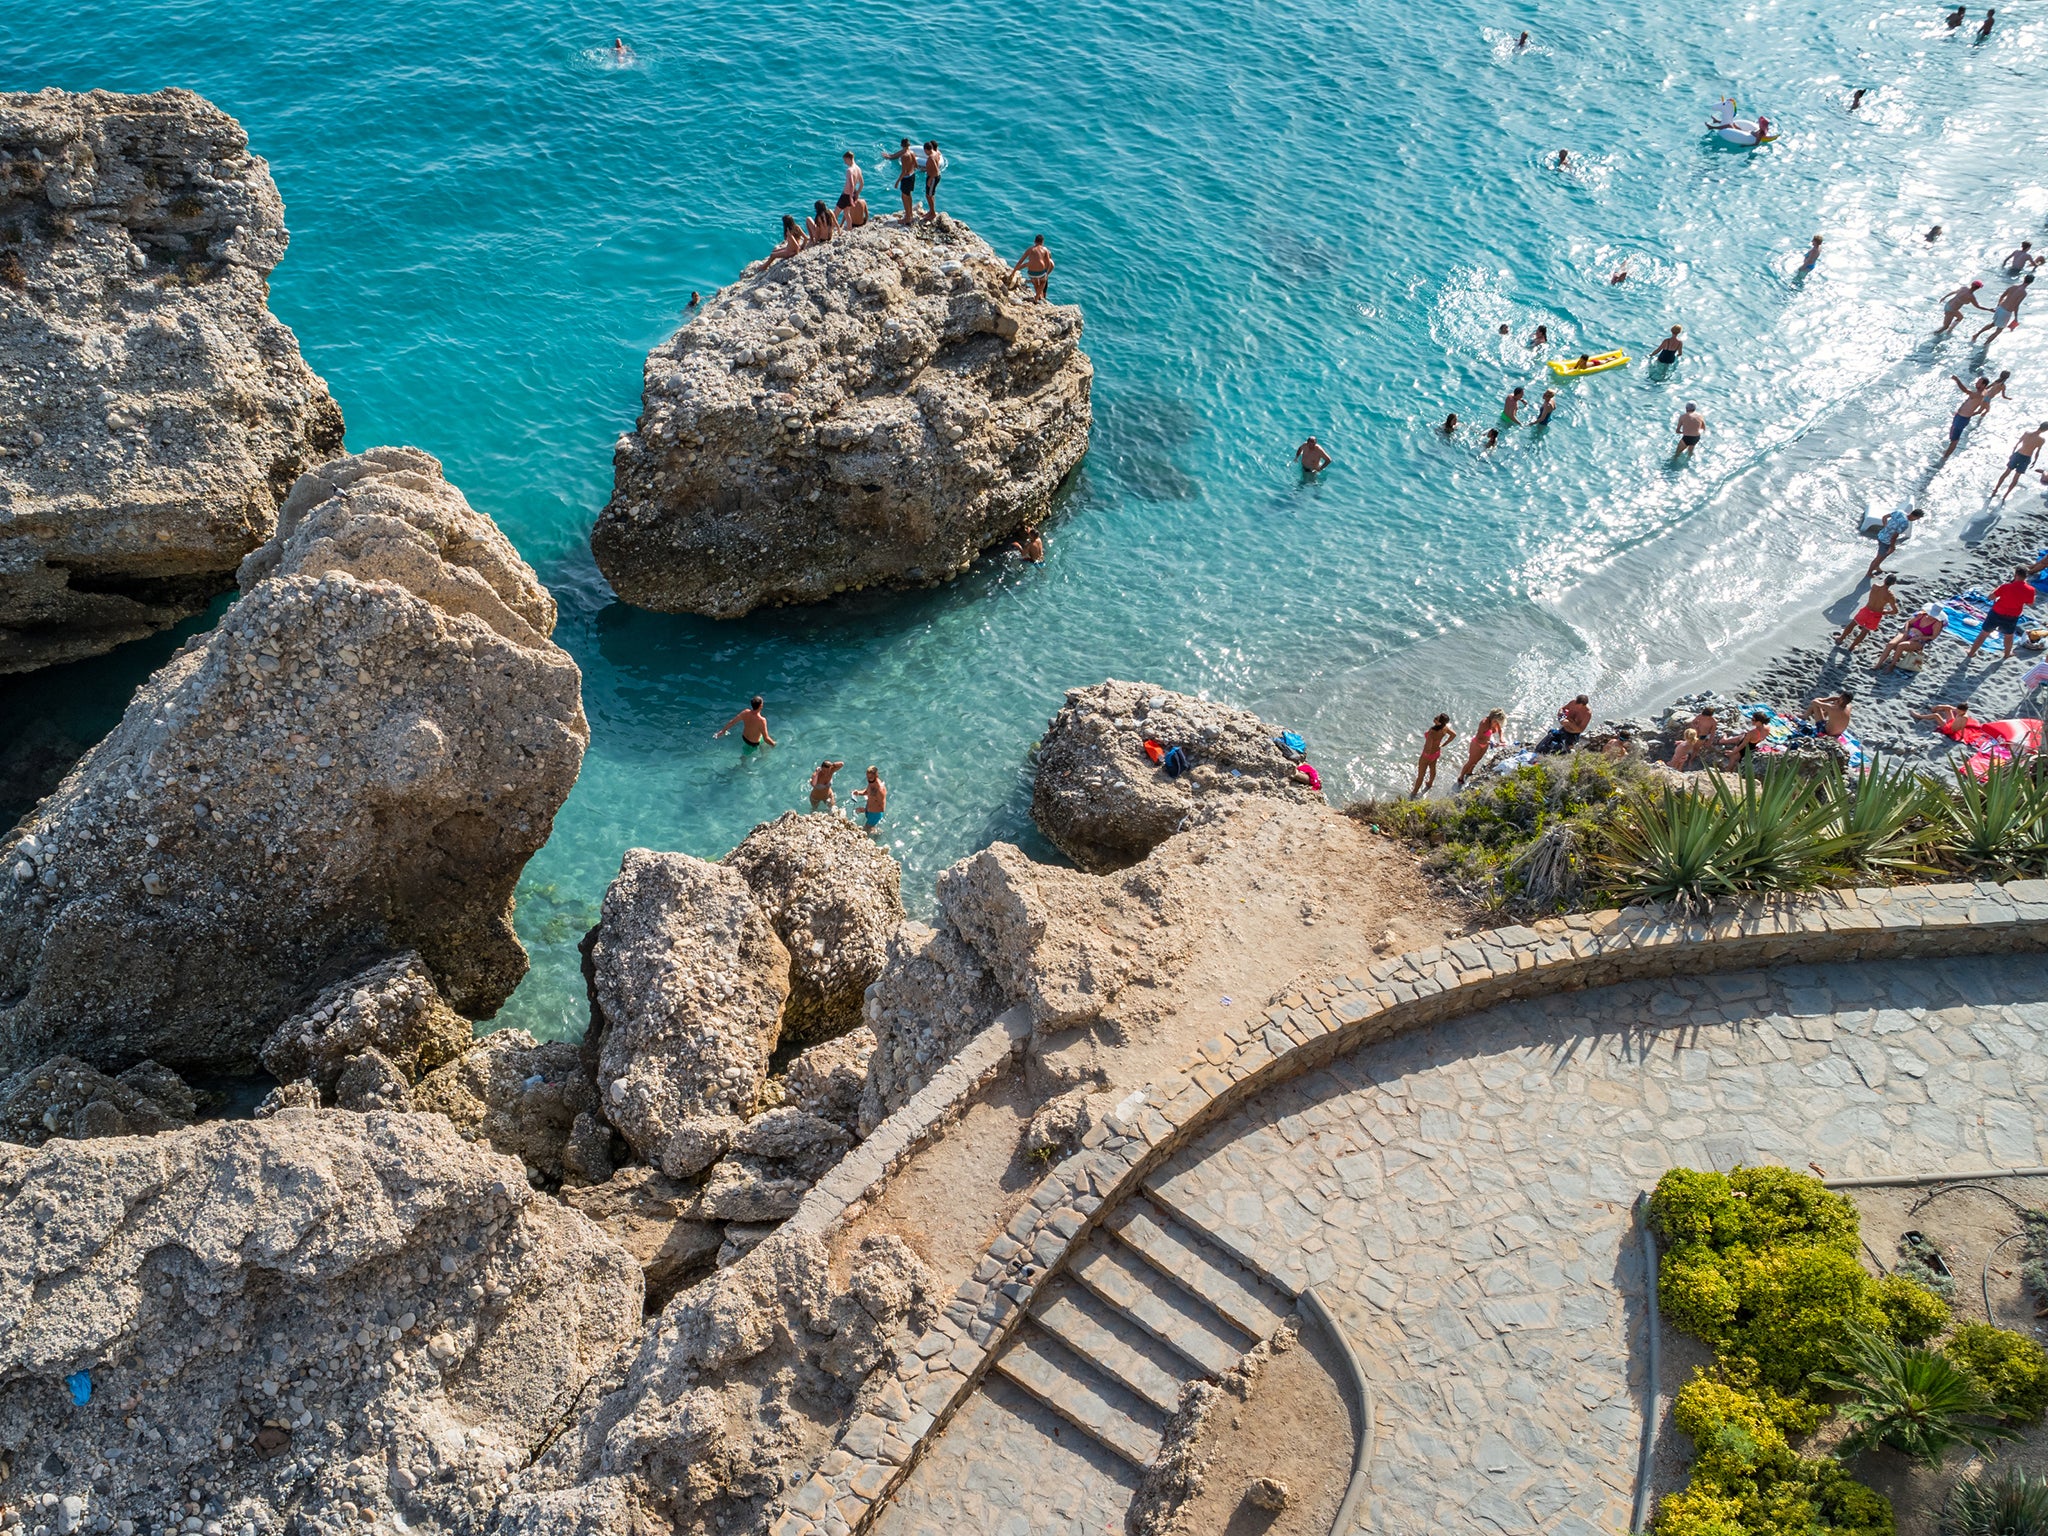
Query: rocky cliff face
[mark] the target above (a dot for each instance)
(357, 761)
(315, 1320)
(153, 413)
(876, 411)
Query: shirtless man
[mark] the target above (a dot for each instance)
(873, 800)
(1037, 265)
(1830, 715)
(849, 193)
(906, 180)
(1692, 425)
(1954, 18)
(1954, 305)
(2022, 261)
(2021, 459)
(822, 797)
(2007, 316)
(753, 726)
(1511, 408)
(1031, 545)
(934, 166)
(1881, 601)
(1974, 405)
(1313, 460)
(1707, 725)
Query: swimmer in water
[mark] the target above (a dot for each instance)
(873, 800)
(1954, 18)
(1812, 257)
(1549, 406)
(1492, 440)
(753, 726)
(694, 300)
(1989, 18)
(1564, 158)
(1521, 42)
(619, 49)
(1450, 424)
(1030, 545)
(1541, 337)
(1511, 409)
(1671, 346)
(822, 798)
(1503, 331)
(1313, 460)
(1857, 100)
(1933, 234)
(1617, 277)
(1692, 425)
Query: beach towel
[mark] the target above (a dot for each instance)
(1964, 615)
(1291, 742)
(1785, 731)
(1999, 741)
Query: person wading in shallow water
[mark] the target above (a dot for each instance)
(822, 797)
(1313, 460)
(753, 726)
(873, 800)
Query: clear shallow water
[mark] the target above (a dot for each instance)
(1283, 218)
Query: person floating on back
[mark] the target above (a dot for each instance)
(1433, 741)
(753, 726)
(1037, 265)
(1313, 460)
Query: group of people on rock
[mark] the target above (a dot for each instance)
(851, 211)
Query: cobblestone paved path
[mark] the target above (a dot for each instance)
(1462, 1199)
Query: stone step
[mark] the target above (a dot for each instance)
(1099, 1334)
(1199, 1266)
(1184, 1323)
(1104, 1412)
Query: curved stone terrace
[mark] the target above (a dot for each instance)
(1443, 1158)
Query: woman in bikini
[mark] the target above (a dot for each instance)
(1688, 753)
(1912, 640)
(1433, 741)
(822, 224)
(1758, 733)
(1483, 740)
(792, 241)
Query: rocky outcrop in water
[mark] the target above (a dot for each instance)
(357, 761)
(833, 895)
(317, 1320)
(876, 411)
(153, 413)
(1104, 803)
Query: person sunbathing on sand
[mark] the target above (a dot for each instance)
(1949, 719)
(1758, 733)
(1913, 639)
(1829, 715)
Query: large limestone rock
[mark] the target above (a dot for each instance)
(879, 410)
(318, 1320)
(358, 760)
(687, 983)
(65, 1097)
(521, 1096)
(1103, 802)
(653, 1218)
(153, 413)
(834, 895)
(933, 996)
(733, 1398)
(391, 1008)
(828, 1079)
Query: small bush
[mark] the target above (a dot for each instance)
(1997, 1503)
(1751, 1207)
(2011, 1368)
(1917, 1270)
(1913, 1312)
(1917, 1401)
(1708, 1410)
(1773, 1493)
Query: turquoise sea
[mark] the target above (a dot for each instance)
(1280, 217)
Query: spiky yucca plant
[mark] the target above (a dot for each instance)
(1913, 1400)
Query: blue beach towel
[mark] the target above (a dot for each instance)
(1964, 615)
(1291, 741)
(1784, 732)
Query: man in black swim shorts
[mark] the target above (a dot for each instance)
(906, 180)
(850, 193)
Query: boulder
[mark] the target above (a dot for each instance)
(358, 760)
(933, 996)
(369, 1081)
(318, 1320)
(392, 1007)
(687, 982)
(1102, 801)
(158, 412)
(774, 1160)
(827, 1079)
(833, 895)
(649, 1215)
(876, 411)
(734, 1397)
(522, 1097)
(65, 1097)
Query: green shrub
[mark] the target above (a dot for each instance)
(1917, 1401)
(2010, 1368)
(1889, 819)
(1997, 1503)
(1913, 1313)
(1708, 1410)
(1751, 1207)
(1773, 1493)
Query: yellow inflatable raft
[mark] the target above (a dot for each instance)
(1600, 362)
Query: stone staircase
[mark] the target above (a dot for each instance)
(1146, 1306)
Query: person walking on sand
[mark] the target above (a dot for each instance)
(934, 166)
(874, 799)
(2007, 315)
(1891, 533)
(2021, 459)
(1876, 604)
(1037, 265)
(1511, 409)
(2008, 602)
(1433, 741)
(1313, 460)
(906, 180)
(850, 189)
(1692, 425)
(1484, 740)
(1974, 405)
(1953, 306)
(1671, 347)
(822, 797)
(1812, 257)
(753, 726)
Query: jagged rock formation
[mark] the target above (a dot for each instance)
(391, 1008)
(933, 996)
(834, 895)
(358, 760)
(828, 1079)
(687, 982)
(523, 1097)
(650, 1215)
(65, 1097)
(1104, 803)
(153, 413)
(879, 410)
(318, 1319)
(746, 1380)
